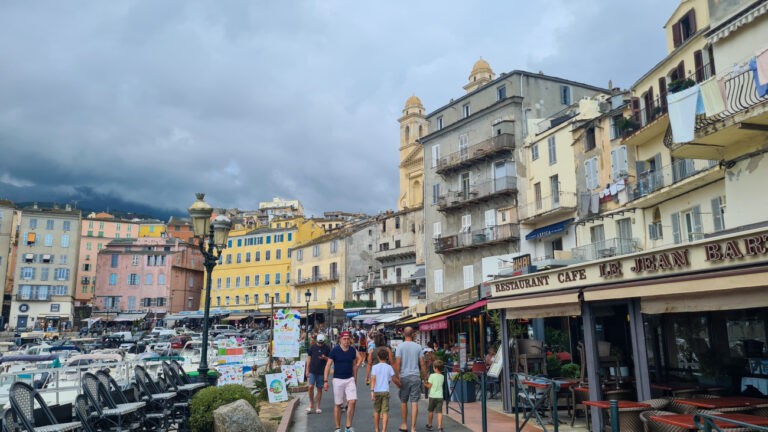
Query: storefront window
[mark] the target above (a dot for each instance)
(746, 332)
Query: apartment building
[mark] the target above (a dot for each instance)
(8, 233)
(471, 170)
(152, 228)
(47, 258)
(96, 231)
(335, 220)
(147, 274)
(181, 229)
(255, 269)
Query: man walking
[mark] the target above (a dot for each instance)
(344, 357)
(316, 360)
(409, 366)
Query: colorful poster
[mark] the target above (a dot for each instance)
(230, 374)
(287, 332)
(276, 388)
(230, 351)
(301, 368)
(290, 375)
(462, 350)
(262, 354)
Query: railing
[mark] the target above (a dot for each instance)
(652, 181)
(30, 297)
(401, 251)
(565, 201)
(316, 279)
(479, 191)
(740, 95)
(477, 238)
(382, 283)
(606, 248)
(470, 154)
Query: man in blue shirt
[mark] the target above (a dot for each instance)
(318, 356)
(344, 358)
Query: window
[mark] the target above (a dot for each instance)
(267, 255)
(256, 280)
(565, 95)
(27, 273)
(287, 278)
(590, 143)
(228, 259)
(591, 173)
(247, 298)
(684, 28)
(218, 301)
(218, 282)
(226, 300)
(61, 274)
(334, 246)
(89, 246)
(316, 250)
(65, 226)
(266, 279)
(465, 110)
(266, 298)
(438, 280)
(113, 279)
(228, 282)
(63, 259)
(619, 164)
(257, 256)
(436, 230)
(469, 276)
(554, 189)
(135, 260)
(435, 155)
(439, 122)
(537, 195)
(287, 297)
(44, 273)
(334, 270)
(133, 279)
(534, 151)
(239, 258)
(277, 278)
(435, 193)
(237, 299)
(148, 279)
(247, 257)
(33, 223)
(49, 224)
(237, 282)
(552, 148)
(48, 240)
(718, 213)
(299, 255)
(466, 222)
(501, 92)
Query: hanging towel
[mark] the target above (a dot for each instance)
(762, 90)
(594, 206)
(762, 67)
(613, 189)
(606, 192)
(620, 185)
(682, 113)
(711, 97)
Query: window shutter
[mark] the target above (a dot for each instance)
(636, 110)
(436, 230)
(677, 34)
(717, 214)
(676, 228)
(623, 161)
(692, 20)
(698, 63)
(438, 281)
(711, 60)
(614, 164)
(490, 218)
(681, 70)
(663, 93)
(652, 232)
(698, 229)
(469, 276)
(435, 154)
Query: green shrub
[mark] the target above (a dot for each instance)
(570, 370)
(208, 399)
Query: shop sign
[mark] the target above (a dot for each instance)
(438, 325)
(698, 256)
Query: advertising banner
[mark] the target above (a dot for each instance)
(287, 332)
(276, 388)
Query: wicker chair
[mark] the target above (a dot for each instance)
(658, 403)
(85, 414)
(760, 410)
(9, 421)
(108, 412)
(652, 426)
(159, 403)
(679, 408)
(719, 412)
(629, 419)
(23, 398)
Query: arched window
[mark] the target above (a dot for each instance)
(407, 133)
(421, 131)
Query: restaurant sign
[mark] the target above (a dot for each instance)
(702, 255)
(437, 325)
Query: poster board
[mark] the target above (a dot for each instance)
(497, 365)
(287, 332)
(230, 374)
(462, 350)
(276, 389)
(301, 370)
(262, 354)
(290, 375)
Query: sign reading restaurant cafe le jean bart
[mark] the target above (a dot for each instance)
(703, 255)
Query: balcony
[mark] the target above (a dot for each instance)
(644, 121)
(398, 281)
(477, 193)
(683, 175)
(605, 249)
(550, 207)
(316, 279)
(484, 150)
(480, 238)
(396, 253)
(744, 120)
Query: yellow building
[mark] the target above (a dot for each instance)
(152, 228)
(255, 268)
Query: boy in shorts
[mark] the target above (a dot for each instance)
(381, 374)
(435, 386)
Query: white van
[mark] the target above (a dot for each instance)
(158, 331)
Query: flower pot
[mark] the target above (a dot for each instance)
(465, 391)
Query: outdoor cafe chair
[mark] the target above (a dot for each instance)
(9, 421)
(23, 398)
(159, 403)
(85, 414)
(652, 426)
(108, 412)
(171, 374)
(183, 377)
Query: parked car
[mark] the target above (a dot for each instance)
(177, 342)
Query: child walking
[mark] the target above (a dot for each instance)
(435, 385)
(381, 374)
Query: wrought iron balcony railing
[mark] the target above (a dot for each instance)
(456, 199)
(562, 202)
(474, 153)
(479, 238)
(651, 181)
(605, 248)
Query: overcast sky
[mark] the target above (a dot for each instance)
(246, 100)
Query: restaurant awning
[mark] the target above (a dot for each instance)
(441, 322)
(235, 317)
(539, 306)
(426, 317)
(388, 318)
(548, 230)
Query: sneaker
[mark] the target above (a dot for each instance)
(428, 427)
(338, 430)
(350, 429)
(318, 411)
(309, 410)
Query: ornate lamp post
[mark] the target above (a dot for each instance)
(200, 212)
(307, 296)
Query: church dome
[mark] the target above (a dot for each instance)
(414, 102)
(480, 67)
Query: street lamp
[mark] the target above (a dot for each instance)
(330, 320)
(308, 296)
(200, 212)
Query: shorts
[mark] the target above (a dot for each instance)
(435, 405)
(381, 402)
(315, 380)
(410, 388)
(344, 390)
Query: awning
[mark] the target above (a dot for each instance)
(365, 317)
(548, 230)
(235, 317)
(715, 301)
(542, 306)
(129, 317)
(441, 323)
(426, 317)
(388, 318)
(420, 273)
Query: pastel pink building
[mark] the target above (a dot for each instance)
(148, 274)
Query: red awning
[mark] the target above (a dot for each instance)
(441, 323)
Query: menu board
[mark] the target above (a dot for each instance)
(497, 365)
(262, 354)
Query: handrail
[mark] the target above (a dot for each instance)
(706, 423)
(740, 95)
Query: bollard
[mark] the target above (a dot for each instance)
(482, 403)
(517, 406)
(615, 416)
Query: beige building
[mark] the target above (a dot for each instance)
(44, 281)
(8, 222)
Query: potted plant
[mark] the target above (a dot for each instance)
(465, 386)
(680, 84)
(627, 124)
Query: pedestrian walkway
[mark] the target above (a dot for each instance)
(498, 420)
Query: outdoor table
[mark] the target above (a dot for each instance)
(628, 415)
(537, 397)
(723, 402)
(685, 421)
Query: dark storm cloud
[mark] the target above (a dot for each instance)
(152, 101)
